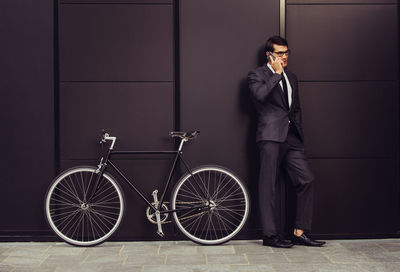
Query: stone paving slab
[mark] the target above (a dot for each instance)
(390, 245)
(252, 249)
(209, 268)
(142, 260)
(186, 260)
(337, 268)
(24, 261)
(267, 258)
(251, 268)
(123, 269)
(380, 267)
(107, 249)
(28, 269)
(227, 259)
(2, 257)
(294, 267)
(77, 269)
(178, 249)
(165, 268)
(140, 249)
(62, 260)
(381, 255)
(221, 249)
(6, 268)
(306, 257)
(109, 260)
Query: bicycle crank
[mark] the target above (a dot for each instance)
(151, 215)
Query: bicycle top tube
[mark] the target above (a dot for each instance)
(185, 136)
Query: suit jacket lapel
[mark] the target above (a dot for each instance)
(269, 73)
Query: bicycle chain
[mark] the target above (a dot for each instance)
(190, 216)
(183, 218)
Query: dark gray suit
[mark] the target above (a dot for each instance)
(280, 140)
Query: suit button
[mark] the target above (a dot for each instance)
(289, 121)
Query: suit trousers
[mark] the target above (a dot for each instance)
(289, 156)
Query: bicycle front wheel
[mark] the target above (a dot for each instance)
(211, 205)
(75, 216)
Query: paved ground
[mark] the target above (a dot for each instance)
(337, 256)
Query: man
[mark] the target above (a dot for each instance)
(280, 139)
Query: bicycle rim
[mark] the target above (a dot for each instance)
(74, 217)
(213, 205)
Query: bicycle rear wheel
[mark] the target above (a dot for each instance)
(74, 217)
(212, 205)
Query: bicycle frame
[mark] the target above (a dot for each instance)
(107, 161)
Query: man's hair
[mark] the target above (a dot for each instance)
(269, 45)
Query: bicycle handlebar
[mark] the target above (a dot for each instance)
(106, 137)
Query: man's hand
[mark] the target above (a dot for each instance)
(277, 65)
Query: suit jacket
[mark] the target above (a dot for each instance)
(273, 112)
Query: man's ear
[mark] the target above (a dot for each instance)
(267, 56)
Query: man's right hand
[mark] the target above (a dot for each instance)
(277, 65)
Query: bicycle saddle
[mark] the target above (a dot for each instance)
(185, 135)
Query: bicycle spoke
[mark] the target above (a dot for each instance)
(65, 202)
(225, 196)
(225, 208)
(220, 189)
(68, 192)
(224, 226)
(73, 218)
(190, 194)
(72, 188)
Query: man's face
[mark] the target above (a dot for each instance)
(281, 52)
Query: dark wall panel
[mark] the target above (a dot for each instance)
(116, 42)
(350, 119)
(139, 114)
(26, 106)
(347, 2)
(355, 196)
(220, 42)
(350, 111)
(338, 39)
(117, 73)
(117, 2)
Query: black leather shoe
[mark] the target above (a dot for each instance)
(274, 241)
(304, 240)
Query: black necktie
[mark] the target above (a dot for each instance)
(285, 91)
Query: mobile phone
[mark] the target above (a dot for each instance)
(270, 54)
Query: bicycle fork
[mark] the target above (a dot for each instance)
(157, 213)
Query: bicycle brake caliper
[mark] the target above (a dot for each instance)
(158, 217)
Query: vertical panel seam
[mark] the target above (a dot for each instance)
(176, 54)
(56, 85)
(282, 18)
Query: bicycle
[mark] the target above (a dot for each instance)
(85, 205)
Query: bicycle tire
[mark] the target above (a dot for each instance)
(76, 220)
(212, 205)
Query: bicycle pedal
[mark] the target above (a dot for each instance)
(160, 233)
